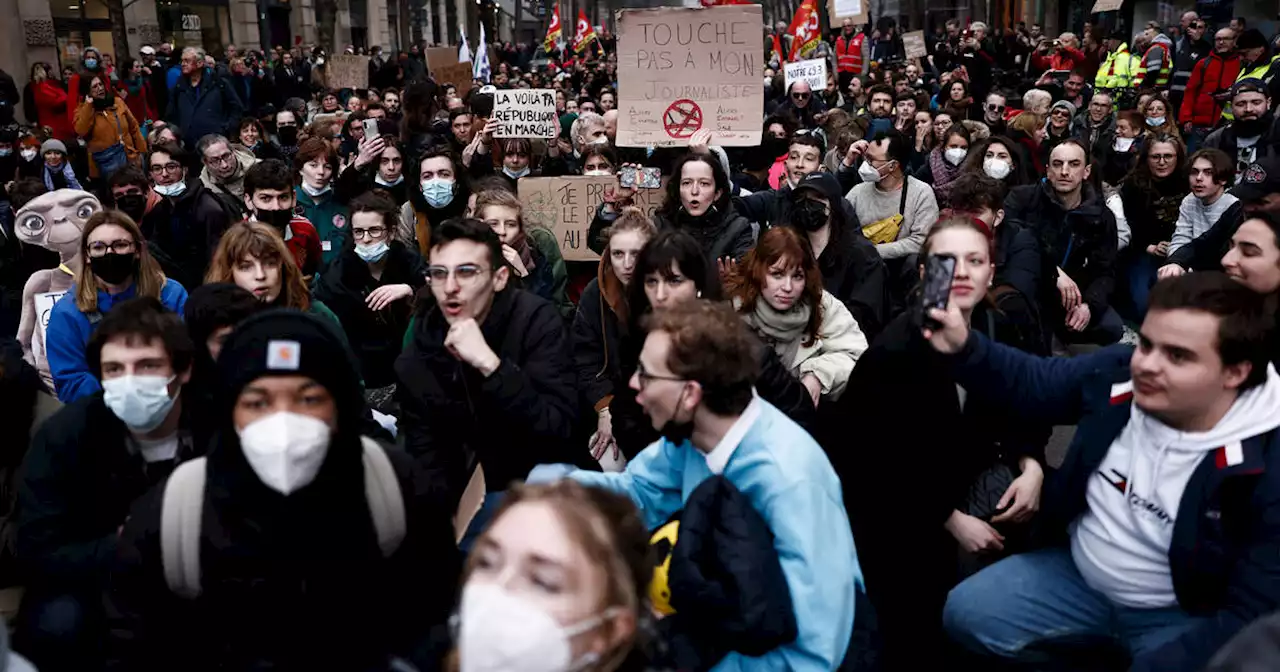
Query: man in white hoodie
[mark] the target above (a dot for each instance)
(1163, 524)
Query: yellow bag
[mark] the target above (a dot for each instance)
(884, 230)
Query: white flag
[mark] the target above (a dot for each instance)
(464, 52)
(482, 59)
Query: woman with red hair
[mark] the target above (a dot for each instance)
(778, 290)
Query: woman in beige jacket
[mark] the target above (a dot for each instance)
(103, 119)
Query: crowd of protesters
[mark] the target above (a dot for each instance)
(293, 383)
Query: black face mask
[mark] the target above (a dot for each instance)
(134, 205)
(277, 219)
(809, 215)
(113, 268)
(288, 135)
(677, 432)
(106, 102)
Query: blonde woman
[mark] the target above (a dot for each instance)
(117, 266)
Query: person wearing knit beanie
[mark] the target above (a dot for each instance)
(289, 529)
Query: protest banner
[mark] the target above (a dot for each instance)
(44, 306)
(688, 69)
(913, 44)
(1106, 6)
(813, 72)
(525, 113)
(445, 69)
(347, 72)
(566, 206)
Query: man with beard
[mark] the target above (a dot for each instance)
(880, 109)
(1097, 127)
(1254, 134)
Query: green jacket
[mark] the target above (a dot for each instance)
(332, 220)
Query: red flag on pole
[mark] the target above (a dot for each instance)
(804, 29)
(585, 34)
(553, 31)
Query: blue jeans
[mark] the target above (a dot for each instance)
(1032, 599)
(1142, 276)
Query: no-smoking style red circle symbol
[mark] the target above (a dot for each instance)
(682, 119)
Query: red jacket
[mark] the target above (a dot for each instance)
(1210, 75)
(51, 109)
(1065, 58)
(142, 104)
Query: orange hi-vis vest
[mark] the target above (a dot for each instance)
(849, 53)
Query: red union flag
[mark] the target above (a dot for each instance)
(585, 35)
(804, 29)
(553, 31)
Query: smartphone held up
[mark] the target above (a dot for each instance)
(939, 269)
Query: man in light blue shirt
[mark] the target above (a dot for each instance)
(694, 381)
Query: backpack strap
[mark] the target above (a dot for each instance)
(386, 502)
(180, 520)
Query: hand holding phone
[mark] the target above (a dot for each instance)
(371, 128)
(938, 272)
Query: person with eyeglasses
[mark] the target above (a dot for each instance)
(1152, 195)
(202, 102)
(1096, 127)
(187, 220)
(486, 372)
(225, 166)
(371, 289)
(993, 112)
(1253, 135)
(117, 266)
(802, 105)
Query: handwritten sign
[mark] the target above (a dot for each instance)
(445, 69)
(566, 206)
(44, 306)
(813, 72)
(347, 72)
(1106, 6)
(525, 113)
(913, 44)
(689, 69)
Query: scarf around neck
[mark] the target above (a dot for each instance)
(526, 254)
(783, 331)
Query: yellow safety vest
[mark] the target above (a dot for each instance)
(1117, 70)
(1257, 72)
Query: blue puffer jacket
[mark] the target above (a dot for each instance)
(69, 331)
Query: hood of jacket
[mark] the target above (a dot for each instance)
(244, 158)
(1164, 41)
(611, 287)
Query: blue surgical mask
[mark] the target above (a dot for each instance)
(171, 190)
(438, 192)
(515, 174)
(373, 253)
(313, 191)
(141, 402)
(6, 151)
(91, 63)
(1155, 121)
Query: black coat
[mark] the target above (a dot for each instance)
(1018, 262)
(376, 338)
(726, 582)
(853, 272)
(723, 233)
(187, 230)
(213, 107)
(519, 417)
(1082, 242)
(79, 480)
(288, 583)
(296, 86)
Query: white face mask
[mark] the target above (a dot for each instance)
(385, 183)
(501, 632)
(171, 190)
(868, 172)
(316, 191)
(285, 449)
(997, 168)
(141, 402)
(598, 173)
(1123, 144)
(515, 174)
(29, 154)
(955, 155)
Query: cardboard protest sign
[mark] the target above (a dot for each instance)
(566, 206)
(44, 306)
(347, 72)
(813, 72)
(683, 70)
(846, 9)
(445, 69)
(913, 44)
(1106, 6)
(525, 113)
